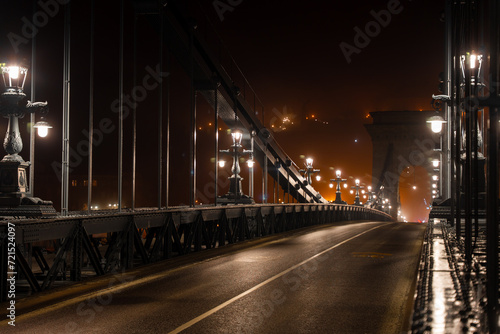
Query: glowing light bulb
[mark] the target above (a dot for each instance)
(43, 131)
(14, 72)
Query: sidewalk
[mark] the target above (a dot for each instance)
(448, 299)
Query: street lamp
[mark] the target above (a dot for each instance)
(43, 128)
(338, 180)
(371, 197)
(13, 187)
(309, 170)
(356, 187)
(436, 123)
(235, 194)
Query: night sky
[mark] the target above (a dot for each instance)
(290, 53)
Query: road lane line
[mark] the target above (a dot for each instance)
(241, 295)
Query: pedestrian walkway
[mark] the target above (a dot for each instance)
(448, 298)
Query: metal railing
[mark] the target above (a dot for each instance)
(43, 251)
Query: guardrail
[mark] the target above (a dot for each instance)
(70, 248)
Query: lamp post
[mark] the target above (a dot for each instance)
(235, 194)
(371, 197)
(309, 170)
(338, 180)
(356, 187)
(13, 185)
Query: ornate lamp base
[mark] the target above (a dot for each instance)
(235, 196)
(338, 199)
(13, 201)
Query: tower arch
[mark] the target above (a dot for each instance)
(400, 139)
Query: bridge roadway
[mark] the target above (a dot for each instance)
(355, 277)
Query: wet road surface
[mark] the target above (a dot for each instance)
(340, 278)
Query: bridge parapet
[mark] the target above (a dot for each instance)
(75, 247)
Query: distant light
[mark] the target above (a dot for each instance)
(434, 185)
(414, 187)
(331, 185)
(355, 140)
(357, 182)
(352, 191)
(338, 173)
(318, 177)
(435, 163)
(222, 163)
(369, 188)
(250, 163)
(345, 185)
(309, 162)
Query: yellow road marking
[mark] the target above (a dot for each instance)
(370, 254)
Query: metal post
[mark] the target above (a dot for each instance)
(91, 107)
(192, 176)
(66, 111)
(446, 183)
(288, 164)
(492, 177)
(251, 171)
(458, 120)
(32, 115)
(120, 116)
(277, 165)
(134, 111)
(468, 150)
(160, 111)
(264, 195)
(216, 126)
(167, 135)
(449, 87)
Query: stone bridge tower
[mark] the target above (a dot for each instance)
(400, 139)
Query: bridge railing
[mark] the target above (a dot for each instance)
(72, 248)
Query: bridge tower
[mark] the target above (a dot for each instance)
(402, 139)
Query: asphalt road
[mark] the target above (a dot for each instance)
(341, 278)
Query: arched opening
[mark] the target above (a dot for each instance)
(415, 194)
